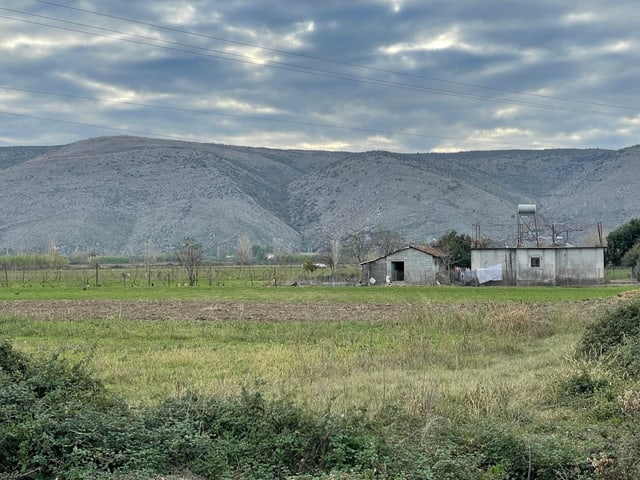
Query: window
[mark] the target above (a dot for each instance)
(535, 262)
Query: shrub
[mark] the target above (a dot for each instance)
(262, 439)
(489, 450)
(611, 331)
(613, 341)
(56, 420)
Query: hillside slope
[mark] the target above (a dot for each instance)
(118, 194)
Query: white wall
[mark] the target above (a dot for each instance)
(558, 266)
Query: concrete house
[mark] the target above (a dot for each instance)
(414, 264)
(553, 266)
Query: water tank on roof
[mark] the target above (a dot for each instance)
(526, 209)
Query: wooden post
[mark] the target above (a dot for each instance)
(96, 274)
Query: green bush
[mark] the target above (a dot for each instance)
(486, 449)
(581, 384)
(611, 331)
(261, 439)
(57, 421)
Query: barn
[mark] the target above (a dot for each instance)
(413, 264)
(552, 266)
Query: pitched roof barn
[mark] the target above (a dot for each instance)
(413, 264)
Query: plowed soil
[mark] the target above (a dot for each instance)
(198, 310)
(202, 310)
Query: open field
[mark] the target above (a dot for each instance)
(465, 365)
(413, 345)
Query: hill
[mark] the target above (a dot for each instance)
(118, 194)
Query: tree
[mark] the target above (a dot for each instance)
(190, 256)
(457, 247)
(386, 241)
(335, 253)
(358, 244)
(632, 256)
(261, 253)
(243, 252)
(621, 240)
(55, 259)
(309, 265)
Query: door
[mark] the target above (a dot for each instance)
(397, 271)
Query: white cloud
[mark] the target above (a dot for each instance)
(443, 41)
(578, 18)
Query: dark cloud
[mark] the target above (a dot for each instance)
(358, 75)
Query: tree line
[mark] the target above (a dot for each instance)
(623, 245)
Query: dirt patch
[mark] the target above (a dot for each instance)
(212, 311)
(198, 310)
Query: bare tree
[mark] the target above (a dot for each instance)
(244, 252)
(149, 258)
(358, 244)
(386, 241)
(335, 253)
(190, 255)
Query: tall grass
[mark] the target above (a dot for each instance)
(479, 359)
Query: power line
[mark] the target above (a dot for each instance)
(338, 62)
(204, 112)
(106, 127)
(212, 53)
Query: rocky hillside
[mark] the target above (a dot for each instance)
(118, 194)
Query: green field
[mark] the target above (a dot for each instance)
(441, 340)
(464, 355)
(241, 291)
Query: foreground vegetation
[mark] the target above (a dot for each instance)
(449, 387)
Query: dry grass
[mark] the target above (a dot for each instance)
(499, 379)
(433, 359)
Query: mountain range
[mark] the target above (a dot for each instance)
(124, 194)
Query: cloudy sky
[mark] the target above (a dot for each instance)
(356, 75)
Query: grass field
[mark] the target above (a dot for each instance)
(235, 291)
(442, 355)
(337, 347)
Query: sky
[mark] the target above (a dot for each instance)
(356, 75)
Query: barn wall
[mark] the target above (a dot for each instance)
(377, 270)
(419, 268)
(496, 256)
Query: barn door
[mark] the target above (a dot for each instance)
(397, 271)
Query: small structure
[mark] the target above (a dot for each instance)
(413, 264)
(527, 224)
(528, 263)
(552, 266)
